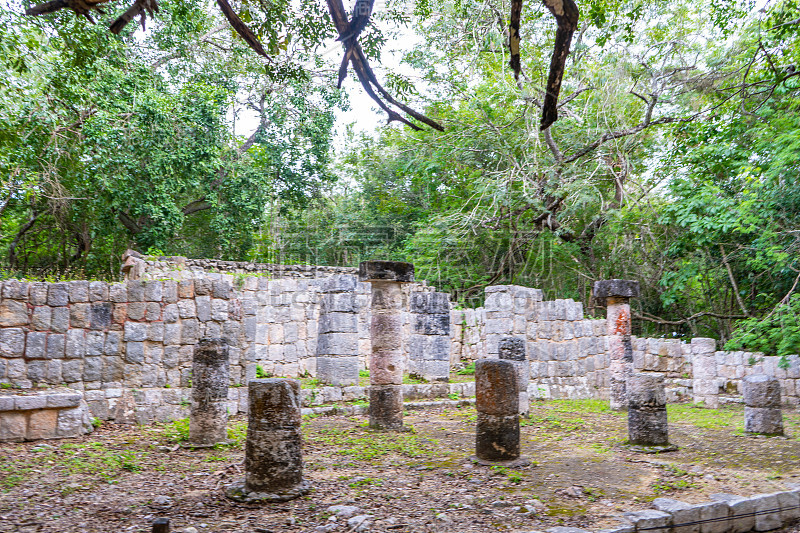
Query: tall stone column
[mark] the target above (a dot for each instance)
(647, 413)
(616, 293)
(273, 452)
(497, 402)
(705, 389)
(513, 349)
(208, 420)
(386, 332)
(429, 345)
(337, 338)
(762, 400)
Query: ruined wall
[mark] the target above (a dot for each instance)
(568, 352)
(128, 346)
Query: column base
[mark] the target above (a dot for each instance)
(238, 492)
(519, 462)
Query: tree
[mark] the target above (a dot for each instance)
(107, 148)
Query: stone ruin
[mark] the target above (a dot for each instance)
(152, 349)
(126, 351)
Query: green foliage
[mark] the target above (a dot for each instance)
(468, 370)
(778, 333)
(261, 373)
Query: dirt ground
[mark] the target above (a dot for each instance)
(121, 478)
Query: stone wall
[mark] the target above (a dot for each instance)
(128, 347)
(568, 352)
(138, 266)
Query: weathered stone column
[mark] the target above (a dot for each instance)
(337, 338)
(429, 345)
(705, 389)
(273, 453)
(497, 402)
(208, 420)
(513, 349)
(647, 412)
(762, 400)
(617, 293)
(386, 332)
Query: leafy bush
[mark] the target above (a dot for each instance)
(778, 333)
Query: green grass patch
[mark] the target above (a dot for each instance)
(728, 417)
(363, 444)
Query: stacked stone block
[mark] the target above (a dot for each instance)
(704, 369)
(616, 294)
(509, 309)
(762, 399)
(429, 342)
(274, 447)
(647, 410)
(208, 422)
(387, 306)
(338, 340)
(497, 437)
(284, 325)
(513, 349)
(49, 414)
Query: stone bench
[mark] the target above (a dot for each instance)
(42, 414)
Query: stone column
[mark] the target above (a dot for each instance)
(337, 338)
(705, 389)
(616, 293)
(208, 420)
(386, 332)
(497, 402)
(647, 412)
(273, 452)
(762, 400)
(513, 349)
(429, 345)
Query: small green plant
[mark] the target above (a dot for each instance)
(454, 396)
(7, 386)
(96, 422)
(412, 379)
(261, 373)
(468, 370)
(363, 373)
(177, 431)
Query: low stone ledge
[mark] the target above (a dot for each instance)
(728, 513)
(323, 395)
(360, 410)
(42, 414)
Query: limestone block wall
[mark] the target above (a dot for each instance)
(177, 267)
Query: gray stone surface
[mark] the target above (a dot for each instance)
(497, 402)
(619, 288)
(761, 391)
(210, 376)
(273, 451)
(386, 271)
(763, 421)
(647, 410)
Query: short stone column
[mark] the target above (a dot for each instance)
(616, 293)
(647, 413)
(337, 337)
(386, 332)
(208, 418)
(429, 342)
(762, 400)
(705, 389)
(273, 459)
(513, 349)
(497, 402)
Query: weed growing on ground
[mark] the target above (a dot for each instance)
(362, 444)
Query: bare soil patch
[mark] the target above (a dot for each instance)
(122, 478)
